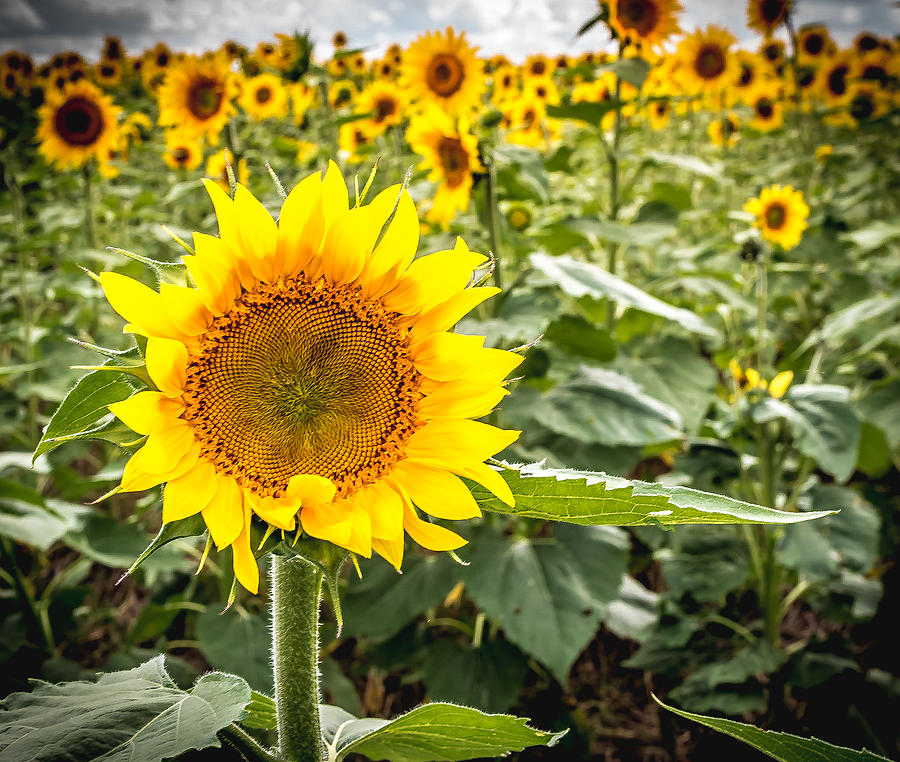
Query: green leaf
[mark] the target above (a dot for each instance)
(594, 498)
(686, 162)
(591, 112)
(25, 516)
(192, 526)
(85, 405)
(632, 70)
(576, 335)
(520, 174)
(430, 733)
(874, 235)
(850, 320)
(633, 234)
(488, 677)
(260, 713)
(138, 715)
(337, 687)
(579, 279)
(781, 746)
(239, 642)
(705, 562)
(603, 406)
(881, 406)
(824, 424)
(548, 594)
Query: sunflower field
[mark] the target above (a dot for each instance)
(428, 406)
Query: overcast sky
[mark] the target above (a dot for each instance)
(514, 27)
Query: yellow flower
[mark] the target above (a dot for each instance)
(341, 93)
(781, 214)
(77, 124)
(450, 151)
(834, 80)
(768, 113)
(813, 44)
(302, 97)
(442, 69)
(765, 16)
(196, 96)
(778, 386)
(309, 378)
(648, 22)
(386, 104)
(351, 138)
(724, 131)
(752, 379)
(263, 97)
(108, 73)
(823, 152)
(708, 64)
(182, 151)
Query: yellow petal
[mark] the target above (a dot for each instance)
(190, 493)
(243, 561)
(335, 201)
(257, 235)
(168, 443)
(224, 514)
(447, 314)
(488, 478)
(435, 491)
(397, 248)
(461, 399)
(491, 366)
(139, 305)
(442, 442)
(186, 308)
(446, 356)
(390, 550)
(311, 489)
(428, 535)
(167, 361)
(780, 383)
(361, 535)
(137, 477)
(279, 512)
(142, 411)
(754, 380)
(385, 508)
(294, 247)
(348, 244)
(318, 522)
(224, 207)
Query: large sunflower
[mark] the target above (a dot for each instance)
(264, 96)
(780, 213)
(442, 69)
(450, 151)
(765, 16)
(196, 96)
(649, 22)
(708, 64)
(78, 123)
(310, 377)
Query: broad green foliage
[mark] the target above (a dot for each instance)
(781, 746)
(138, 715)
(584, 497)
(431, 733)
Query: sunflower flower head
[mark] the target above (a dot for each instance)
(309, 379)
(196, 96)
(646, 22)
(780, 214)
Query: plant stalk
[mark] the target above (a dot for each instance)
(296, 591)
(490, 209)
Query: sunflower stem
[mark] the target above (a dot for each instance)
(490, 204)
(89, 223)
(296, 591)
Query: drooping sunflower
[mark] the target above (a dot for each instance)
(450, 151)
(182, 152)
(780, 213)
(78, 123)
(442, 69)
(196, 96)
(765, 16)
(708, 64)
(310, 379)
(385, 103)
(264, 97)
(647, 22)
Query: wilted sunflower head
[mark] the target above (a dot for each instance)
(780, 214)
(765, 16)
(442, 69)
(78, 123)
(647, 22)
(309, 380)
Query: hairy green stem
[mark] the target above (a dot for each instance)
(490, 211)
(245, 745)
(612, 157)
(296, 591)
(89, 221)
(762, 306)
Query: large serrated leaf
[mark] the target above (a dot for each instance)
(138, 715)
(430, 733)
(85, 410)
(594, 498)
(781, 746)
(578, 279)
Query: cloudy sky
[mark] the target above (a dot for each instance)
(514, 27)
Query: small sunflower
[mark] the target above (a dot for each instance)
(813, 44)
(834, 79)
(353, 140)
(302, 97)
(865, 102)
(505, 81)
(264, 97)
(535, 66)
(182, 152)
(724, 131)
(386, 104)
(310, 380)
(339, 40)
(647, 22)
(113, 50)
(773, 51)
(708, 64)
(768, 112)
(780, 213)
(450, 151)
(442, 69)
(765, 16)
(866, 42)
(108, 73)
(660, 113)
(196, 96)
(78, 123)
(217, 169)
